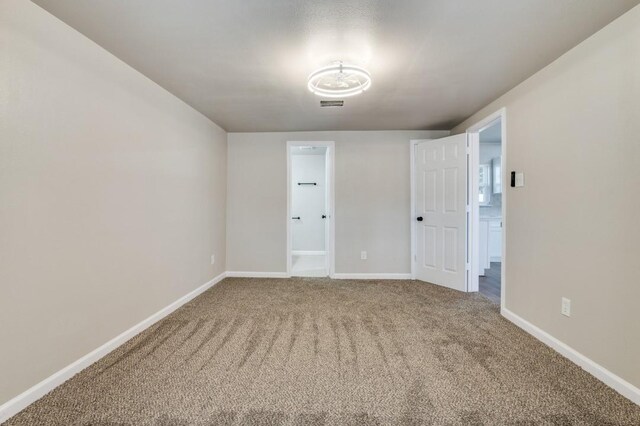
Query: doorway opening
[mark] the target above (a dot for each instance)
(458, 202)
(487, 192)
(490, 214)
(310, 209)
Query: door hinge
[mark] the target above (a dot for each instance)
(468, 150)
(468, 209)
(467, 266)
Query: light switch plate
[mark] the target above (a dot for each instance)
(566, 307)
(363, 255)
(519, 179)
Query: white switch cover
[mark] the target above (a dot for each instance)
(213, 259)
(363, 255)
(519, 179)
(566, 307)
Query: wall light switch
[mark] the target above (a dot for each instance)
(213, 259)
(363, 255)
(519, 179)
(566, 307)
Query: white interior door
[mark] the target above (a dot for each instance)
(441, 184)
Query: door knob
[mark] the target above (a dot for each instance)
(296, 217)
(324, 216)
(419, 219)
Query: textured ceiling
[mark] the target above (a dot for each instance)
(244, 64)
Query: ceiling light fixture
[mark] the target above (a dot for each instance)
(339, 81)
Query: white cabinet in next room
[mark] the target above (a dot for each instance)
(495, 240)
(490, 242)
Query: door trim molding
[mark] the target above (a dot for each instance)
(34, 393)
(331, 240)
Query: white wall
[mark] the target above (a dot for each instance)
(573, 230)
(371, 207)
(308, 202)
(112, 196)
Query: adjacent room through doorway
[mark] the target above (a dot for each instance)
(309, 215)
(490, 211)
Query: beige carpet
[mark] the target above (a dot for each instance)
(314, 351)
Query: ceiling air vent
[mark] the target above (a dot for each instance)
(331, 103)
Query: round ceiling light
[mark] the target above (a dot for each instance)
(339, 81)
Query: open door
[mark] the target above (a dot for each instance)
(441, 187)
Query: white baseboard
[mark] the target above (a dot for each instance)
(308, 253)
(17, 404)
(337, 276)
(252, 274)
(374, 276)
(620, 385)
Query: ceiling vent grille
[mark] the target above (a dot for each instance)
(331, 103)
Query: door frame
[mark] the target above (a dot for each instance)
(330, 194)
(473, 148)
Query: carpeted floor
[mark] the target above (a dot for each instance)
(313, 351)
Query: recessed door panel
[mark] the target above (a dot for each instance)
(429, 237)
(430, 182)
(450, 192)
(450, 249)
(450, 151)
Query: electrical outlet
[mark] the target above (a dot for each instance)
(363, 255)
(213, 259)
(566, 307)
